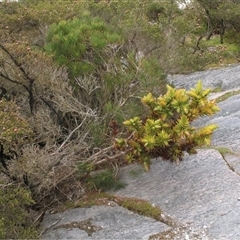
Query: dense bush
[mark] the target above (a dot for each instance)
(167, 131)
(15, 222)
(15, 131)
(88, 37)
(107, 74)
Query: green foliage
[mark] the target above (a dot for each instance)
(79, 43)
(154, 10)
(167, 132)
(14, 129)
(189, 62)
(26, 15)
(104, 181)
(107, 74)
(126, 14)
(227, 95)
(14, 219)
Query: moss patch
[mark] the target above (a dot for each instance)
(217, 89)
(135, 205)
(223, 150)
(89, 200)
(227, 95)
(140, 207)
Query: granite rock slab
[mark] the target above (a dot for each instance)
(110, 222)
(202, 192)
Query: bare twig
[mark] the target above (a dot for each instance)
(69, 136)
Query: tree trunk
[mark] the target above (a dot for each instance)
(221, 30)
(197, 44)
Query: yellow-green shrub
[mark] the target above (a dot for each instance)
(167, 131)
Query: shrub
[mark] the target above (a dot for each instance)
(79, 43)
(14, 219)
(15, 131)
(104, 181)
(107, 75)
(167, 132)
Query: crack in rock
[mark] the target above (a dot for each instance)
(229, 165)
(85, 225)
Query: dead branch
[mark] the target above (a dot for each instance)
(71, 133)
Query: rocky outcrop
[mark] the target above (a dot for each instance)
(202, 193)
(99, 222)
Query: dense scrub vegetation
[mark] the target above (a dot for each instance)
(71, 72)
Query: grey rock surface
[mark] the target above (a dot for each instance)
(202, 192)
(227, 226)
(110, 223)
(224, 78)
